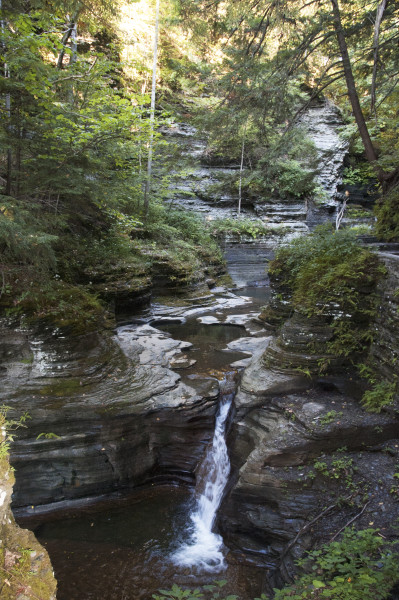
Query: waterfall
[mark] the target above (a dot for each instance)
(204, 549)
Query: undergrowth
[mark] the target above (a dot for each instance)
(362, 565)
(331, 276)
(65, 279)
(387, 212)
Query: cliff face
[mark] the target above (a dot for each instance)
(308, 457)
(385, 347)
(106, 412)
(25, 568)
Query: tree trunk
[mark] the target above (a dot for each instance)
(352, 92)
(7, 190)
(241, 170)
(74, 45)
(377, 25)
(72, 25)
(152, 113)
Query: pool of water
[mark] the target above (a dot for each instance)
(125, 552)
(209, 340)
(124, 549)
(209, 343)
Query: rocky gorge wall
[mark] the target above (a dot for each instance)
(25, 568)
(105, 413)
(308, 458)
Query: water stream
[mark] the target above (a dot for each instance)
(131, 546)
(204, 549)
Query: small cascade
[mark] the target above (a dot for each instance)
(204, 550)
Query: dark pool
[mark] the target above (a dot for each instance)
(122, 552)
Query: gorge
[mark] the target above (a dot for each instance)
(198, 378)
(112, 413)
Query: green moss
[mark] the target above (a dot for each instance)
(62, 388)
(387, 213)
(330, 276)
(25, 568)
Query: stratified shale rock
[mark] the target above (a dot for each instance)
(309, 460)
(297, 455)
(25, 568)
(104, 412)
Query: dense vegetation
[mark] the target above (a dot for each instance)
(75, 131)
(75, 126)
(360, 566)
(276, 58)
(331, 276)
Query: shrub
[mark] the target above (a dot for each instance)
(361, 566)
(381, 394)
(331, 276)
(387, 213)
(242, 227)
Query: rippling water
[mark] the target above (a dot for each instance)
(204, 548)
(124, 553)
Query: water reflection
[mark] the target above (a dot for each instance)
(124, 553)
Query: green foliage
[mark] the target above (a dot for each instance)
(48, 436)
(180, 239)
(330, 417)
(242, 227)
(331, 276)
(361, 566)
(395, 487)
(77, 137)
(381, 395)
(387, 213)
(357, 175)
(288, 168)
(24, 242)
(8, 428)
(208, 592)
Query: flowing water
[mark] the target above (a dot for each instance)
(130, 547)
(205, 548)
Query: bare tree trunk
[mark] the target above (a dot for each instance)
(377, 25)
(241, 170)
(152, 113)
(341, 212)
(8, 115)
(74, 45)
(352, 92)
(71, 27)
(72, 59)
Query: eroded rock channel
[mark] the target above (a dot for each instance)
(120, 421)
(113, 415)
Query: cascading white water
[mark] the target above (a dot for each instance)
(204, 550)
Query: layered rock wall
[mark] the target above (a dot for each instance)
(308, 458)
(25, 568)
(103, 413)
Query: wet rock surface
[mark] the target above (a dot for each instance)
(306, 464)
(111, 411)
(105, 412)
(309, 460)
(25, 566)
